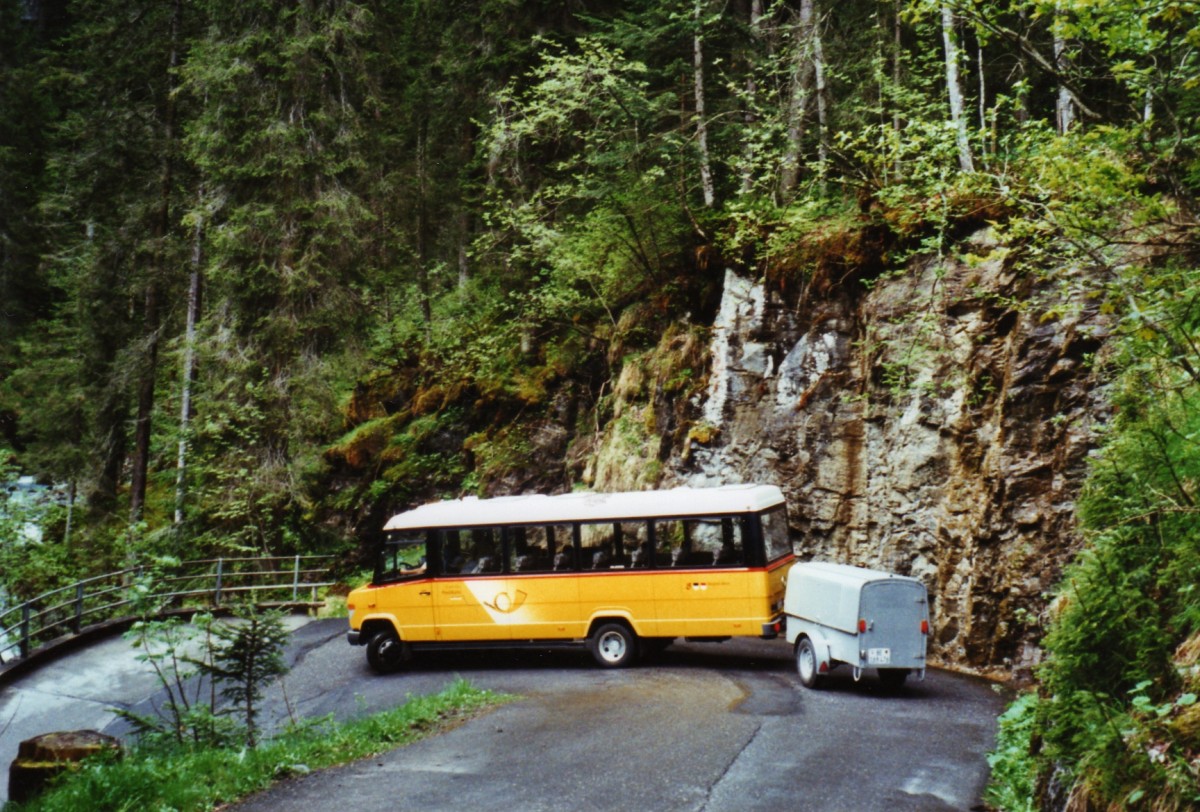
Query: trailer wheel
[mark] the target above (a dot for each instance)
(893, 678)
(385, 652)
(613, 645)
(807, 665)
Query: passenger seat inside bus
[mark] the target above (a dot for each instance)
(565, 559)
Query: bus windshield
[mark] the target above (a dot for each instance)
(402, 556)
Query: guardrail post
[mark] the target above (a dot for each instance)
(217, 589)
(78, 608)
(24, 630)
(296, 579)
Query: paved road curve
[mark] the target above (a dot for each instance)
(701, 727)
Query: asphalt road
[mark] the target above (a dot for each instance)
(699, 727)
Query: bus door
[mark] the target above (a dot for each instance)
(406, 591)
(705, 590)
(469, 600)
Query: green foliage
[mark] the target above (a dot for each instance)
(246, 657)
(202, 778)
(233, 660)
(1012, 764)
(1114, 687)
(178, 652)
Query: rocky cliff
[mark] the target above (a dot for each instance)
(934, 422)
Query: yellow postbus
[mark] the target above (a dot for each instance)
(619, 573)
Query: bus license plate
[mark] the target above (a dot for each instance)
(879, 656)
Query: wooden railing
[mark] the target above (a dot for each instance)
(204, 584)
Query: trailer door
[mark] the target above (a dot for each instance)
(893, 611)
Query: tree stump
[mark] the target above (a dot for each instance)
(43, 757)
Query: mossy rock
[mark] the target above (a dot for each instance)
(40, 759)
(1186, 726)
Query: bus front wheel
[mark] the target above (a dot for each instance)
(806, 663)
(385, 652)
(613, 645)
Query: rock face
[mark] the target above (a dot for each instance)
(934, 423)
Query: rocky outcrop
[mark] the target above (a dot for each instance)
(935, 423)
(43, 758)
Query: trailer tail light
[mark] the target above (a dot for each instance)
(862, 625)
(924, 627)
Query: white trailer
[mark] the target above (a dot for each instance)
(837, 614)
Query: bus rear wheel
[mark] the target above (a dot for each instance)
(385, 652)
(613, 645)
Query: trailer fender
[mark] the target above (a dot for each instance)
(823, 649)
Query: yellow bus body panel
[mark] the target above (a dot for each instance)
(471, 609)
(545, 607)
(411, 606)
(562, 606)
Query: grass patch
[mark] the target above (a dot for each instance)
(201, 779)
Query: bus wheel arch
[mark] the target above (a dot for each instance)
(386, 652)
(613, 643)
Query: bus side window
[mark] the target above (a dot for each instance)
(601, 546)
(529, 549)
(452, 553)
(635, 541)
(562, 542)
(481, 552)
(716, 543)
(670, 543)
(733, 545)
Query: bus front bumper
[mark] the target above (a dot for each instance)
(355, 637)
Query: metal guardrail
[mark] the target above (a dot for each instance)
(205, 583)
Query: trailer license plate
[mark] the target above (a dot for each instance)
(879, 656)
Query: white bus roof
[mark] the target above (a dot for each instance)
(585, 506)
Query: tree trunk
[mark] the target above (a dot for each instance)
(422, 226)
(71, 491)
(149, 368)
(189, 370)
(818, 56)
(802, 79)
(464, 244)
(1064, 104)
(897, 77)
(954, 86)
(706, 180)
(145, 407)
(1023, 112)
(982, 87)
(748, 156)
(110, 423)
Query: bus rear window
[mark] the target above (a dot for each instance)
(776, 540)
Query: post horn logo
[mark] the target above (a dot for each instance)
(504, 604)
